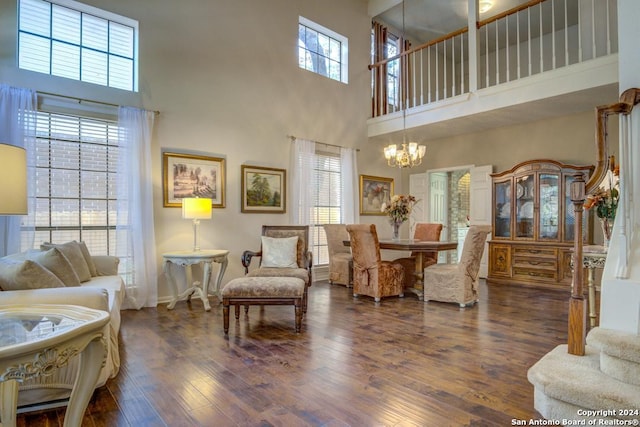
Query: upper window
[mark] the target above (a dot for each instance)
(69, 39)
(322, 51)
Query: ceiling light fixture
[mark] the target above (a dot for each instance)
(484, 5)
(411, 153)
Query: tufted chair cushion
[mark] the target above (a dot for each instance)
(372, 276)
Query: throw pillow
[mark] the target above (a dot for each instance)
(55, 261)
(88, 259)
(74, 254)
(279, 252)
(17, 275)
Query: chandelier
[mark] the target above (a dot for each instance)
(406, 157)
(411, 153)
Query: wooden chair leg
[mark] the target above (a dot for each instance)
(237, 312)
(225, 315)
(298, 309)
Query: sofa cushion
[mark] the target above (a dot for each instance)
(26, 274)
(279, 252)
(74, 254)
(57, 263)
(88, 258)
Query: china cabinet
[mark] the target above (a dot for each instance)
(533, 220)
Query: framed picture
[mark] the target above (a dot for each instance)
(188, 175)
(264, 190)
(374, 191)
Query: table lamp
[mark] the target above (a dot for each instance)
(13, 180)
(196, 209)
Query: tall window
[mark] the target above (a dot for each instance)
(75, 181)
(322, 51)
(326, 202)
(69, 39)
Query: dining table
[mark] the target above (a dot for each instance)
(418, 248)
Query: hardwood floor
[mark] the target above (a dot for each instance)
(400, 363)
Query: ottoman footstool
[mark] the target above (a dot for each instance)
(264, 291)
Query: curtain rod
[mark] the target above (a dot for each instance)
(81, 100)
(318, 142)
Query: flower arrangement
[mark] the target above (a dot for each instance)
(399, 208)
(605, 199)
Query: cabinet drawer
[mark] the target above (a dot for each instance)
(533, 274)
(535, 252)
(535, 263)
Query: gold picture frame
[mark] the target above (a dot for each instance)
(264, 190)
(374, 191)
(190, 175)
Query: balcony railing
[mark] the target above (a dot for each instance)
(536, 37)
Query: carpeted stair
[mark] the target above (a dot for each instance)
(606, 379)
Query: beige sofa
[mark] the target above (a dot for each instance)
(103, 291)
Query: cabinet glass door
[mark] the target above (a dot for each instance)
(549, 206)
(502, 211)
(525, 196)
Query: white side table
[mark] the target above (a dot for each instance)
(188, 258)
(36, 340)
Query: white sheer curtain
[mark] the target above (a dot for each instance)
(303, 154)
(17, 127)
(135, 241)
(349, 174)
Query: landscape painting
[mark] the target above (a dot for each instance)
(263, 189)
(188, 175)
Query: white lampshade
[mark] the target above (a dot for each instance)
(13, 179)
(196, 208)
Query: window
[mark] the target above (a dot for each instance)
(79, 42)
(75, 181)
(327, 204)
(322, 51)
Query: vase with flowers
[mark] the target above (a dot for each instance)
(398, 210)
(605, 200)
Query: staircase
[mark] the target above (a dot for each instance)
(604, 384)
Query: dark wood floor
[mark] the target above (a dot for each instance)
(400, 363)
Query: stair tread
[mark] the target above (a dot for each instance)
(579, 381)
(622, 345)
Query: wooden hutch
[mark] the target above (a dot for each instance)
(533, 220)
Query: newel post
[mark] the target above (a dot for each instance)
(577, 303)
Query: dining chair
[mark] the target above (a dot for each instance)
(426, 232)
(458, 282)
(371, 275)
(340, 259)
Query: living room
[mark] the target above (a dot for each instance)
(225, 81)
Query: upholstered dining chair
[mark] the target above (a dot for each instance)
(458, 282)
(372, 276)
(427, 232)
(340, 259)
(288, 257)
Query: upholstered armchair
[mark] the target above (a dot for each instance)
(458, 282)
(426, 232)
(372, 276)
(299, 267)
(340, 259)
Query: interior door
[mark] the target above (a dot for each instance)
(439, 206)
(418, 187)
(480, 205)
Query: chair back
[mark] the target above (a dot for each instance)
(336, 235)
(473, 249)
(428, 232)
(302, 231)
(365, 246)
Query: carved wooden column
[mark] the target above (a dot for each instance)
(577, 303)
